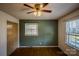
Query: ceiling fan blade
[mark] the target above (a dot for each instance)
(28, 6)
(49, 11)
(30, 12)
(45, 4)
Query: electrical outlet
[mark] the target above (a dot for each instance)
(40, 43)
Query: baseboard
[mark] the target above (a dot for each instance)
(35, 46)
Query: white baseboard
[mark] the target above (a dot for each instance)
(35, 46)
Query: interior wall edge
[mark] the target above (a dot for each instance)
(61, 32)
(4, 17)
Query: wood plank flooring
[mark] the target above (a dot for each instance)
(43, 51)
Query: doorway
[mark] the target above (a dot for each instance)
(12, 36)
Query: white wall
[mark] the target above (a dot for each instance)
(4, 17)
(61, 34)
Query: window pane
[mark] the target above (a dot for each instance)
(77, 41)
(31, 29)
(72, 40)
(72, 33)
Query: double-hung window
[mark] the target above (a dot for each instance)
(72, 33)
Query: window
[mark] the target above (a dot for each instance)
(72, 33)
(31, 29)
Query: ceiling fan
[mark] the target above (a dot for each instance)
(37, 9)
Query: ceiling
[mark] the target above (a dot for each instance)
(19, 11)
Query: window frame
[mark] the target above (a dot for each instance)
(30, 28)
(66, 34)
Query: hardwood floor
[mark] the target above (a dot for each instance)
(43, 51)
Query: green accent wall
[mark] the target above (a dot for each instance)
(47, 33)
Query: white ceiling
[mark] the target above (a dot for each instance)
(18, 10)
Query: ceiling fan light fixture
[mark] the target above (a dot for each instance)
(38, 9)
(37, 13)
(41, 5)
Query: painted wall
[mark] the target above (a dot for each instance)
(4, 17)
(47, 33)
(61, 33)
